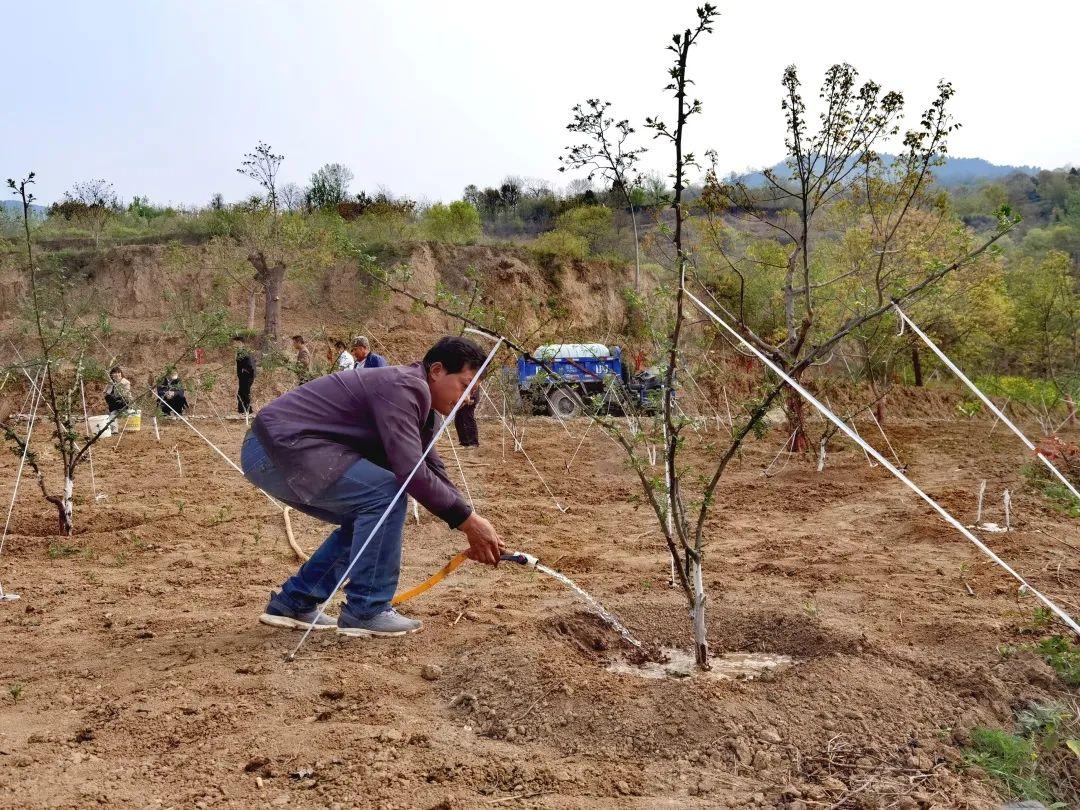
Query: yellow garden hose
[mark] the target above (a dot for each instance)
(436, 578)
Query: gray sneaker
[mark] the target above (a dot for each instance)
(279, 614)
(387, 623)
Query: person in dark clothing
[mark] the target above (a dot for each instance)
(465, 424)
(245, 375)
(171, 395)
(340, 448)
(118, 391)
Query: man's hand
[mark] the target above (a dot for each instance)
(485, 545)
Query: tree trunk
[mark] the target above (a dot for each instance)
(272, 279)
(701, 644)
(916, 366)
(797, 422)
(66, 520)
(275, 284)
(879, 410)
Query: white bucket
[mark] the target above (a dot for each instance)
(96, 423)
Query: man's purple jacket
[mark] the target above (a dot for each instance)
(315, 432)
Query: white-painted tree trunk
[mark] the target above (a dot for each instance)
(701, 645)
(67, 500)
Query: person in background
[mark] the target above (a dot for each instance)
(303, 359)
(245, 375)
(364, 356)
(465, 423)
(339, 449)
(345, 360)
(171, 395)
(118, 391)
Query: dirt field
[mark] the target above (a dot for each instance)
(146, 680)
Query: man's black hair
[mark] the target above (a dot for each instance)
(115, 369)
(298, 337)
(455, 353)
(339, 344)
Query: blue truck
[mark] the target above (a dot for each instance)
(579, 374)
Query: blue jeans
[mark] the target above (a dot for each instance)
(355, 502)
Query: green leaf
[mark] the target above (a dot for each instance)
(1074, 746)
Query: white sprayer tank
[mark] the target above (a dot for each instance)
(557, 351)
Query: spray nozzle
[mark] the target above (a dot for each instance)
(520, 557)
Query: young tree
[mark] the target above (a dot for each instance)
(262, 166)
(686, 549)
(608, 155)
(293, 198)
(833, 163)
(61, 352)
(329, 186)
(92, 204)
(261, 230)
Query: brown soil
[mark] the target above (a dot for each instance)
(147, 680)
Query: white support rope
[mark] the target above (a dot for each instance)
(520, 447)
(788, 442)
(588, 427)
(986, 400)
(461, 470)
(215, 448)
(320, 612)
(40, 392)
(86, 422)
(881, 430)
(956, 524)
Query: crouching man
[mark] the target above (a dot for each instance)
(339, 448)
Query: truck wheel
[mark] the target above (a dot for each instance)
(563, 404)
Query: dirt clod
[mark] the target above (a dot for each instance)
(431, 672)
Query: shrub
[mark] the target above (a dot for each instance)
(383, 227)
(458, 223)
(593, 223)
(560, 244)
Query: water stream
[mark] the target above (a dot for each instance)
(594, 606)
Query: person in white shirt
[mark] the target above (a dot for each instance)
(345, 360)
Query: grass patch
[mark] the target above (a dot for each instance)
(1011, 760)
(59, 550)
(1037, 478)
(1063, 656)
(1037, 759)
(1056, 650)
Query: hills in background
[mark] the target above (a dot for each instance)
(15, 207)
(954, 172)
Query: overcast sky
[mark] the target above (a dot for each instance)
(163, 98)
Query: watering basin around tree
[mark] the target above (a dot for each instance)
(734, 666)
